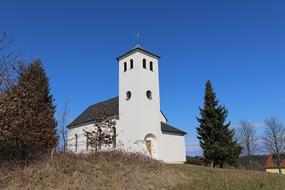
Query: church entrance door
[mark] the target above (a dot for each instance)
(148, 146)
(151, 146)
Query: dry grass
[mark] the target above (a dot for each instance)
(105, 170)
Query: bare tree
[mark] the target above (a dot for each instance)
(247, 138)
(104, 132)
(10, 66)
(62, 130)
(275, 139)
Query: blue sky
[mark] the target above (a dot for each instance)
(237, 44)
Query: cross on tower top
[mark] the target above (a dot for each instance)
(138, 38)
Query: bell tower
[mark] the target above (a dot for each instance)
(139, 97)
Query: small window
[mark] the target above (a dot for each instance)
(87, 142)
(114, 137)
(144, 63)
(125, 66)
(128, 95)
(151, 66)
(149, 94)
(76, 141)
(132, 63)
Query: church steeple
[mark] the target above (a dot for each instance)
(139, 97)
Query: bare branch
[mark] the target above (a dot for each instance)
(247, 138)
(62, 130)
(274, 139)
(104, 132)
(10, 66)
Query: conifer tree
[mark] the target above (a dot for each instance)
(215, 136)
(28, 126)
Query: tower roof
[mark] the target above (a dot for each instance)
(138, 48)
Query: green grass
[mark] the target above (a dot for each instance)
(200, 177)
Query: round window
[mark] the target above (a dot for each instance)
(149, 94)
(128, 95)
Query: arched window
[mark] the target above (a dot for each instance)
(149, 94)
(125, 66)
(132, 64)
(76, 141)
(144, 63)
(151, 66)
(128, 95)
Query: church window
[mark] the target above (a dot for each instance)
(149, 94)
(132, 63)
(87, 142)
(114, 137)
(144, 63)
(125, 66)
(151, 66)
(128, 95)
(76, 141)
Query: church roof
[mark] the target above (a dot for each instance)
(170, 129)
(137, 48)
(112, 108)
(89, 115)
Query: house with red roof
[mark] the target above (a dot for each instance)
(271, 164)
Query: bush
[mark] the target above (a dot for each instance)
(197, 160)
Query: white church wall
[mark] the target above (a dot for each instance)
(173, 149)
(162, 118)
(81, 138)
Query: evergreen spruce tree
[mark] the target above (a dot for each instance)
(28, 125)
(215, 136)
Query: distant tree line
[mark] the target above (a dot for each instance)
(258, 162)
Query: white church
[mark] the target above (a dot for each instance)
(140, 124)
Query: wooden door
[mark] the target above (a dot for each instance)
(148, 146)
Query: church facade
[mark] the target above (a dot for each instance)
(141, 126)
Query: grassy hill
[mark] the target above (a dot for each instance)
(117, 170)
